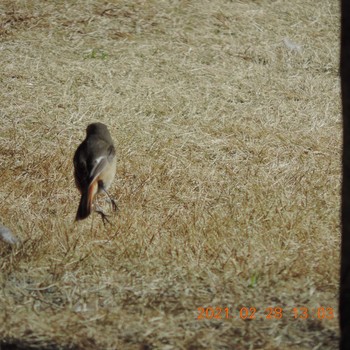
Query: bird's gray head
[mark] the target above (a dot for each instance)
(97, 128)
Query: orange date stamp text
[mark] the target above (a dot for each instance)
(268, 313)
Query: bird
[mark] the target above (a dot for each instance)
(94, 168)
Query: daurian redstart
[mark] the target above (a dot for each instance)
(94, 167)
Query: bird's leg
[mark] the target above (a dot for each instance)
(114, 204)
(104, 216)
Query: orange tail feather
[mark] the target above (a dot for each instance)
(86, 200)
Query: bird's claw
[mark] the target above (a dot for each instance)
(104, 217)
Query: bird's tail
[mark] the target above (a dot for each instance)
(86, 200)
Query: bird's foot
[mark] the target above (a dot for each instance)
(104, 217)
(114, 205)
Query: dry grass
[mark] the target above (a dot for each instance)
(228, 176)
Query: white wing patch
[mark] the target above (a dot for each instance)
(99, 164)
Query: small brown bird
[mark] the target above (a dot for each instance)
(94, 168)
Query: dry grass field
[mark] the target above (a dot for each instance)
(226, 120)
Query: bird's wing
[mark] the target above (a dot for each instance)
(80, 169)
(99, 165)
(103, 157)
